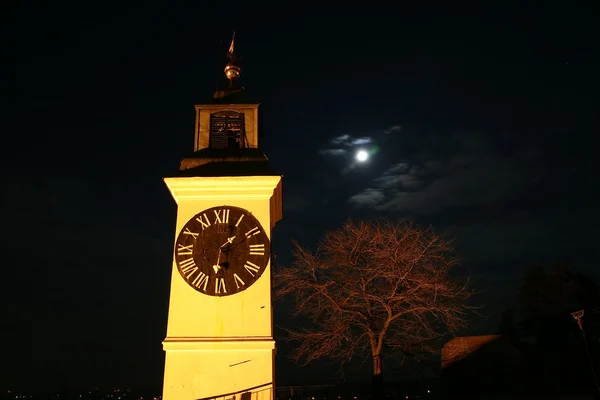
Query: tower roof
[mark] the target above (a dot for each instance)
(233, 93)
(230, 96)
(227, 133)
(227, 162)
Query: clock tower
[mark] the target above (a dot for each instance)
(219, 342)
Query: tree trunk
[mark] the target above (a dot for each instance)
(377, 388)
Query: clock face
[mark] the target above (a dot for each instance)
(222, 251)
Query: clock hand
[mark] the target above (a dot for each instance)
(238, 242)
(229, 241)
(227, 246)
(217, 267)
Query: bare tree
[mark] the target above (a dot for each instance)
(373, 286)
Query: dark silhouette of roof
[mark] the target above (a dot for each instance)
(225, 162)
(235, 95)
(496, 364)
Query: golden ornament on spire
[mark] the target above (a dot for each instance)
(231, 46)
(232, 71)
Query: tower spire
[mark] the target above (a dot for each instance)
(232, 71)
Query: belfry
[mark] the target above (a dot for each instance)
(219, 342)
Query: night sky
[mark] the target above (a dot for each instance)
(479, 120)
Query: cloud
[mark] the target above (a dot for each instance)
(369, 197)
(333, 152)
(342, 144)
(340, 139)
(361, 141)
(347, 140)
(474, 172)
(402, 175)
(392, 129)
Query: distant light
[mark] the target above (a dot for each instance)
(362, 155)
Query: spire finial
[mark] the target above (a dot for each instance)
(232, 71)
(230, 53)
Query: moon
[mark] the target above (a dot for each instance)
(362, 155)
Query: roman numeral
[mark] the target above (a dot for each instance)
(203, 219)
(238, 281)
(188, 266)
(184, 250)
(201, 280)
(252, 232)
(188, 232)
(220, 285)
(222, 216)
(257, 249)
(251, 268)
(239, 220)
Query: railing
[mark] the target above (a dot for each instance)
(246, 394)
(254, 393)
(286, 392)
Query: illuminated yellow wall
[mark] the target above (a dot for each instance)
(221, 345)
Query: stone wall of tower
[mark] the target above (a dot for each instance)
(220, 347)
